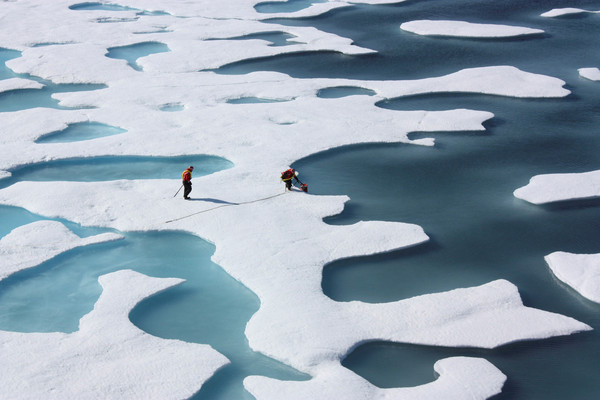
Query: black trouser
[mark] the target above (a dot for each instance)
(187, 188)
(288, 184)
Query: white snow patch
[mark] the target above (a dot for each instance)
(560, 187)
(559, 12)
(10, 84)
(29, 245)
(466, 29)
(580, 271)
(592, 74)
(497, 80)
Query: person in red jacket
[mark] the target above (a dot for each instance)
(187, 182)
(288, 176)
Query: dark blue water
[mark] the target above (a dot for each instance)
(343, 91)
(460, 191)
(276, 38)
(253, 100)
(402, 55)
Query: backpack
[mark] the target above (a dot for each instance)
(287, 175)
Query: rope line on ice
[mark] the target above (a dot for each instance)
(225, 205)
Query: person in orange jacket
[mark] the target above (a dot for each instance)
(186, 176)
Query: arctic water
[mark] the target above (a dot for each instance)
(459, 191)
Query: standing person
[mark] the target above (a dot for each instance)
(187, 182)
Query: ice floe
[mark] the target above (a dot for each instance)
(459, 378)
(466, 29)
(255, 224)
(29, 245)
(561, 187)
(18, 83)
(579, 271)
(592, 74)
(108, 357)
(290, 287)
(125, 105)
(559, 12)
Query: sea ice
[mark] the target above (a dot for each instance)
(290, 287)
(44, 240)
(580, 271)
(18, 83)
(560, 187)
(592, 74)
(256, 233)
(108, 357)
(459, 378)
(559, 12)
(466, 29)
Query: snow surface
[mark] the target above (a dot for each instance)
(580, 271)
(455, 382)
(45, 239)
(18, 83)
(559, 12)
(466, 29)
(296, 323)
(592, 74)
(108, 357)
(550, 188)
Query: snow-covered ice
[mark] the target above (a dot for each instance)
(108, 357)
(45, 239)
(560, 12)
(550, 188)
(18, 83)
(466, 29)
(459, 378)
(580, 271)
(592, 73)
(296, 323)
